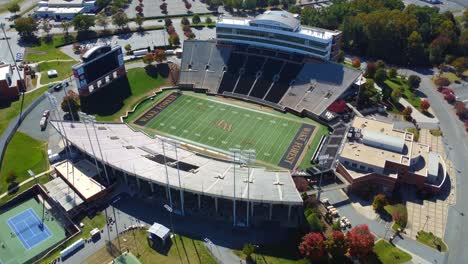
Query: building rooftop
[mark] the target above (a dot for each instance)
(4, 70)
(80, 175)
(282, 19)
(60, 10)
(137, 154)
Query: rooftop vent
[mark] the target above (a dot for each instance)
(114, 137)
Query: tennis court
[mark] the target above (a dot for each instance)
(29, 228)
(126, 258)
(22, 236)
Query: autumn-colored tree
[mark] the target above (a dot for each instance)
(139, 9)
(185, 21)
(188, 6)
(148, 59)
(407, 112)
(356, 62)
(360, 241)
(336, 244)
(450, 98)
(174, 73)
(312, 246)
(159, 55)
(442, 81)
(301, 184)
(460, 109)
(379, 202)
(424, 106)
(370, 70)
(167, 22)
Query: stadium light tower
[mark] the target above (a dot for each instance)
(54, 105)
(32, 174)
(178, 175)
(250, 157)
(167, 173)
(235, 154)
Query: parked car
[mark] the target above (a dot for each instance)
(46, 114)
(58, 87)
(43, 123)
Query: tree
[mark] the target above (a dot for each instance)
(11, 177)
(442, 81)
(336, 244)
(174, 73)
(174, 40)
(188, 6)
(248, 251)
(370, 70)
(273, 2)
(26, 27)
(139, 20)
(139, 9)
(415, 51)
(301, 184)
(196, 19)
(13, 8)
(71, 104)
(379, 202)
(340, 57)
(128, 47)
(312, 246)
(45, 26)
(407, 112)
(438, 48)
(185, 21)
(356, 62)
(380, 64)
(167, 22)
(102, 3)
(190, 34)
(208, 20)
(315, 223)
(380, 75)
(83, 22)
(460, 64)
(148, 59)
(368, 94)
(460, 109)
(250, 4)
(159, 55)
(414, 81)
(450, 98)
(396, 95)
(66, 25)
(163, 7)
(424, 105)
(186, 28)
(120, 19)
(102, 20)
(465, 18)
(392, 73)
(170, 30)
(360, 241)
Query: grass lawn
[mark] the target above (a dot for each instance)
(141, 85)
(98, 221)
(451, 76)
(23, 153)
(63, 69)
(431, 240)
(191, 250)
(223, 125)
(9, 112)
(398, 209)
(4, 7)
(46, 51)
(389, 254)
(398, 83)
(268, 259)
(42, 180)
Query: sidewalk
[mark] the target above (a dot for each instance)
(26, 181)
(420, 117)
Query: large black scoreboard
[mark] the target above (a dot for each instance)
(100, 66)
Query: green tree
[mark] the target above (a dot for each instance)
(174, 40)
(71, 104)
(273, 2)
(315, 223)
(103, 3)
(139, 21)
(208, 20)
(120, 19)
(196, 19)
(396, 95)
(102, 20)
(13, 8)
(380, 75)
(414, 81)
(415, 51)
(45, 26)
(128, 47)
(392, 73)
(248, 251)
(66, 25)
(83, 22)
(11, 177)
(336, 244)
(237, 4)
(380, 64)
(379, 202)
(26, 27)
(250, 4)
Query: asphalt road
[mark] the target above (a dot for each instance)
(456, 145)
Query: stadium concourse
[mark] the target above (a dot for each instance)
(279, 79)
(191, 182)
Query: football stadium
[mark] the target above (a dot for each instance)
(249, 111)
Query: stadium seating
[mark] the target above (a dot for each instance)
(288, 73)
(228, 82)
(270, 69)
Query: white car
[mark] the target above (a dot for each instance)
(43, 123)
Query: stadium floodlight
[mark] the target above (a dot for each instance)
(168, 208)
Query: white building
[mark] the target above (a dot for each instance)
(64, 9)
(279, 30)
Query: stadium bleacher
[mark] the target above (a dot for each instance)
(264, 76)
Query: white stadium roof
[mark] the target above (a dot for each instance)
(129, 151)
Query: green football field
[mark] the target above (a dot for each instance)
(219, 124)
(12, 250)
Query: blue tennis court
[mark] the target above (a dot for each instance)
(28, 228)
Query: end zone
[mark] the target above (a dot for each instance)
(157, 109)
(297, 146)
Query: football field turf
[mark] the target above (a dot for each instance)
(221, 125)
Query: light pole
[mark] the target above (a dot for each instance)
(169, 209)
(54, 104)
(32, 174)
